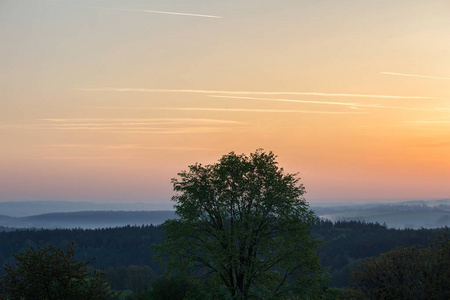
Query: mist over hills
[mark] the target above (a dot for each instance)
(406, 214)
(32, 208)
(88, 219)
(59, 214)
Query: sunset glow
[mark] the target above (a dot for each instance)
(106, 101)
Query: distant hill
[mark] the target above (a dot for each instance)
(88, 219)
(31, 208)
(408, 214)
(59, 214)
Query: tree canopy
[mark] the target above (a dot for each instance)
(52, 273)
(407, 273)
(243, 230)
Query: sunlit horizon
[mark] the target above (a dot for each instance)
(106, 101)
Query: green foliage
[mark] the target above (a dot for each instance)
(407, 273)
(169, 288)
(52, 273)
(132, 278)
(244, 230)
(115, 247)
(174, 288)
(349, 242)
(342, 294)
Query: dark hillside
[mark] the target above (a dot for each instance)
(121, 246)
(346, 244)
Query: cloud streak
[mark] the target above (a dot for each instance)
(159, 148)
(128, 147)
(129, 121)
(249, 110)
(163, 12)
(87, 157)
(348, 104)
(171, 130)
(159, 130)
(412, 75)
(247, 93)
(157, 125)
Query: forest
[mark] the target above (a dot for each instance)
(127, 256)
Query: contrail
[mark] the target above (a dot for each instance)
(159, 148)
(128, 146)
(120, 121)
(118, 124)
(411, 75)
(85, 157)
(287, 100)
(163, 12)
(255, 110)
(146, 11)
(144, 129)
(238, 110)
(352, 105)
(176, 130)
(247, 93)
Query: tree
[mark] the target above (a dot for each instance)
(171, 288)
(243, 230)
(407, 273)
(52, 273)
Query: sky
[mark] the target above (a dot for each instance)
(106, 101)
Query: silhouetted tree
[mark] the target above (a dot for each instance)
(407, 273)
(244, 229)
(52, 273)
(173, 288)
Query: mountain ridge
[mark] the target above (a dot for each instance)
(88, 219)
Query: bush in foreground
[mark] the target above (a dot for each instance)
(52, 273)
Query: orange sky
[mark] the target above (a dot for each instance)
(107, 100)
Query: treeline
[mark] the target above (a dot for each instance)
(131, 278)
(127, 257)
(347, 243)
(111, 247)
(406, 273)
